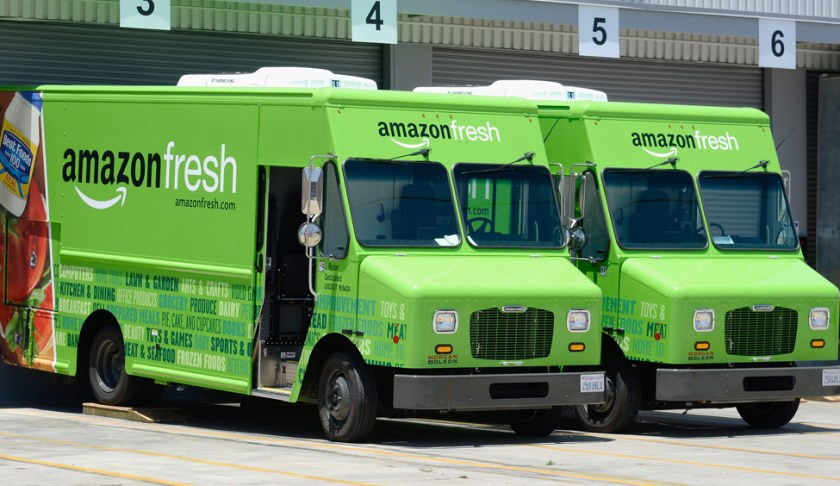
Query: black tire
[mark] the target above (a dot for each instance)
(106, 370)
(768, 414)
(535, 423)
(346, 398)
(622, 402)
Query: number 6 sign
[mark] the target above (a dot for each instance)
(598, 31)
(777, 43)
(146, 14)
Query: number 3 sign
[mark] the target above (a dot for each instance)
(374, 21)
(145, 14)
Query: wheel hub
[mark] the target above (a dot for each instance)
(338, 398)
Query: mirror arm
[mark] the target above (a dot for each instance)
(310, 280)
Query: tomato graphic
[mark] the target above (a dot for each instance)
(6, 311)
(44, 323)
(11, 346)
(35, 209)
(28, 241)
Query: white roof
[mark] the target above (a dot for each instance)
(523, 88)
(280, 77)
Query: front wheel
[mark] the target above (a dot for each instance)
(106, 370)
(768, 414)
(346, 398)
(623, 399)
(535, 423)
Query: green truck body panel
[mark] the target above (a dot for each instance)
(153, 205)
(466, 282)
(651, 293)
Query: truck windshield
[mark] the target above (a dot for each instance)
(508, 206)
(654, 209)
(395, 203)
(747, 211)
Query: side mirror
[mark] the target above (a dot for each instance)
(577, 235)
(312, 190)
(309, 234)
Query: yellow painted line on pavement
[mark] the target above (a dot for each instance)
(717, 447)
(166, 456)
(88, 470)
(691, 463)
(312, 445)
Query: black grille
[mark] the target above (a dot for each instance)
(751, 333)
(511, 335)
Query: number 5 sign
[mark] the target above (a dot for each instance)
(145, 14)
(598, 31)
(777, 43)
(374, 21)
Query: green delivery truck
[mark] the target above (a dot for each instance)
(680, 215)
(155, 235)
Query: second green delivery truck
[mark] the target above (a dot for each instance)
(680, 215)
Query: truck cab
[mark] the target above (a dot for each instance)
(434, 272)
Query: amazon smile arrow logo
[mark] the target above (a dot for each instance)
(662, 155)
(424, 143)
(119, 198)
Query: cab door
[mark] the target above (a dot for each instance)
(336, 275)
(594, 259)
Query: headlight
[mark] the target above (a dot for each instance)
(577, 320)
(704, 320)
(446, 321)
(819, 318)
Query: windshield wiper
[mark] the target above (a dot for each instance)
(395, 160)
(529, 156)
(761, 163)
(670, 160)
(423, 151)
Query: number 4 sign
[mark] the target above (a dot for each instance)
(777, 43)
(145, 14)
(374, 21)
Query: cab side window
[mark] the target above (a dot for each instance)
(333, 222)
(597, 235)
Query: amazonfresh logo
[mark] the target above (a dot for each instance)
(167, 170)
(437, 131)
(675, 141)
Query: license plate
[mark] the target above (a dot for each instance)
(831, 377)
(594, 383)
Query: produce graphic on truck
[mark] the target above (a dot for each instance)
(680, 215)
(166, 249)
(26, 323)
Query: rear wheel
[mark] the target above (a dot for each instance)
(623, 398)
(768, 414)
(535, 423)
(346, 398)
(106, 370)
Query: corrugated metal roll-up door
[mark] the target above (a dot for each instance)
(812, 114)
(812, 108)
(40, 53)
(622, 79)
